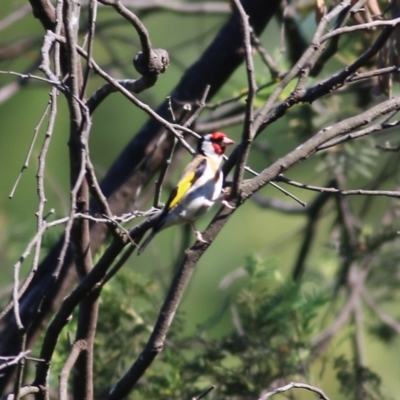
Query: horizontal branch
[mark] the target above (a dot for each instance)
(24, 391)
(180, 7)
(309, 147)
(369, 25)
(294, 385)
(354, 192)
(76, 350)
(12, 360)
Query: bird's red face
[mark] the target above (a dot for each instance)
(219, 141)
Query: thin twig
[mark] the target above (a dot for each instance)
(135, 86)
(166, 165)
(294, 385)
(40, 178)
(15, 16)
(92, 27)
(248, 128)
(118, 265)
(319, 343)
(50, 37)
(274, 70)
(369, 25)
(304, 60)
(12, 360)
(358, 76)
(278, 205)
(136, 23)
(95, 189)
(31, 76)
(378, 127)
(205, 393)
(76, 350)
(163, 172)
(355, 192)
(71, 301)
(385, 318)
(28, 156)
(178, 7)
(25, 391)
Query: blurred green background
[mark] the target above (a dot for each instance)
(252, 231)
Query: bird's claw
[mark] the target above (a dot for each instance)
(199, 237)
(227, 205)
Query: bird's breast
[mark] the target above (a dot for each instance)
(202, 195)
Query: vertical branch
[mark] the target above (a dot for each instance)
(167, 313)
(214, 67)
(43, 153)
(359, 348)
(157, 338)
(39, 214)
(310, 231)
(321, 341)
(248, 129)
(92, 27)
(76, 349)
(28, 156)
(80, 238)
(165, 167)
(68, 305)
(21, 364)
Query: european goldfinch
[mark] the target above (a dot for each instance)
(198, 189)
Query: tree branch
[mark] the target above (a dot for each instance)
(294, 385)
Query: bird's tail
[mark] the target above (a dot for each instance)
(146, 242)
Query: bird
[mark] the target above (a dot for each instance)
(199, 187)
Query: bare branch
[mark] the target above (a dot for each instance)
(248, 129)
(204, 394)
(268, 61)
(356, 283)
(136, 23)
(303, 64)
(150, 62)
(369, 25)
(380, 126)
(24, 391)
(201, 7)
(309, 147)
(386, 319)
(10, 360)
(277, 205)
(90, 38)
(135, 86)
(15, 16)
(76, 350)
(62, 317)
(355, 192)
(294, 385)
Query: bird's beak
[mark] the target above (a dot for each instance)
(226, 141)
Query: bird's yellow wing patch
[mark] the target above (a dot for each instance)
(198, 165)
(183, 186)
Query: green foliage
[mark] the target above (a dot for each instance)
(274, 320)
(124, 325)
(356, 380)
(383, 332)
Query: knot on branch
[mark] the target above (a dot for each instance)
(156, 64)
